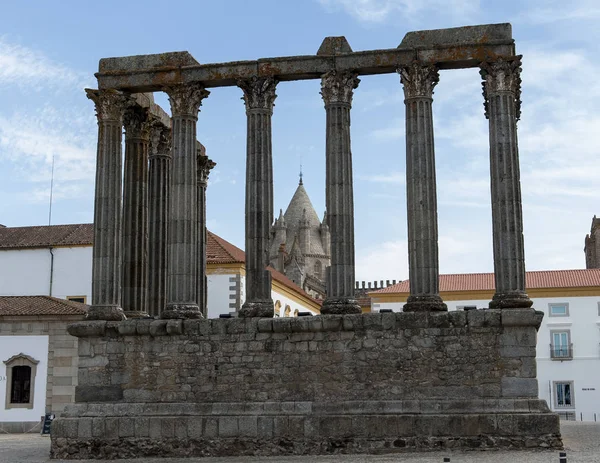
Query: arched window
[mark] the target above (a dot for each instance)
(277, 308)
(20, 381)
(296, 313)
(318, 269)
(288, 309)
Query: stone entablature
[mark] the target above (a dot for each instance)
(229, 375)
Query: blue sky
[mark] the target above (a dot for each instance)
(49, 52)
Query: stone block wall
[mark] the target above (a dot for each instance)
(306, 385)
(363, 357)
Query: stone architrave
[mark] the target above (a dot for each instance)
(107, 258)
(259, 97)
(182, 289)
(205, 165)
(159, 187)
(337, 90)
(419, 81)
(135, 211)
(502, 101)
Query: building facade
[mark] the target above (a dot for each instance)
(57, 261)
(38, 359)
(300, 246)
(568, 341)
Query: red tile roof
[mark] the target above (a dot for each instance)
(46, 236)
(220, 251)
(485, 281)
(40, 305)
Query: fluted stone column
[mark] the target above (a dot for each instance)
(419, 81)
(182, 291)
(106, 261)
(502, 92)
(159, 187)
(135, 212)
(205, 165)
(259, 97)
(337, 90)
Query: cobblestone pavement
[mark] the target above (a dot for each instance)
(582, 444)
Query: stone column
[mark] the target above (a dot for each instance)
(419, 80)
(204, 167)
(159, 187)
(106, 262)
(182, 290)
(259, 97)
(502, 92)
(337, 90)
(135, 211)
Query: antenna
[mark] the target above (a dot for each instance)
(300, 183)
(51, 188)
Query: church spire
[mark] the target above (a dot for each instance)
(300, 182)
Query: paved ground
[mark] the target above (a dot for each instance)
(582, 444)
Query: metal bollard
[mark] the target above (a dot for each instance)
(562, 457)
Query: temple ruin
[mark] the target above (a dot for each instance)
(181, 385)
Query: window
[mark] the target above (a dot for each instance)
(564, 394)
(318, 270)
(81, 299)
(20, 381)
(560, 345)
(558, 310)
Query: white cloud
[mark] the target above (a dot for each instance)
(377, 11)
(561, 11)
(386, 261)
(394, 131)
(23, 66)
(398, 178)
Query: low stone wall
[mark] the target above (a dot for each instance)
(352, 383)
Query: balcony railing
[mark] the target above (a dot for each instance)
(561, 352)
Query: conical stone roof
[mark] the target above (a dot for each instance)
(301, 202)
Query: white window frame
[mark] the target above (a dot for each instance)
(555, 395)
(17, 361)
(568, 346)
(558, 304)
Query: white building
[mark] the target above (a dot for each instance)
(57, 261)
(38, 359)
(568, 346)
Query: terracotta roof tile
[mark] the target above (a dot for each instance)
(485, 281)
(45, 236)
(220, 251)
(40, 305)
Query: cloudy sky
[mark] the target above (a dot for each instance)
(49, 52)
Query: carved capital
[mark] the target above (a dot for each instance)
(502, 76)
(419, 79)
(110, 104)
(136, 120)
(259, 92)
(160, 139)
(205, 165)
(186, 99)
(338, 87)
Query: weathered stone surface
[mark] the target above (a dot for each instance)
(158, 60)
(334, 46)
(487, 33)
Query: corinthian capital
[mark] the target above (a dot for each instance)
(338, 87)
(136, 121)
(259, 92)
(186, 99)
(502, 76)
(160, 139)
(419, 79)
(110, 104)
(205, 165)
